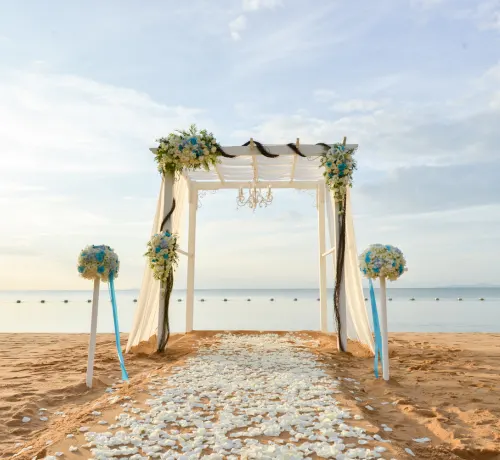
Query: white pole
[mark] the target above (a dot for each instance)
(384, 329)
(322, 260)
(343, 298)
(93, 333)
(193, 205)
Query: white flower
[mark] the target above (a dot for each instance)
(339, 165)
(162, 254)
(98, 262)
(190, 149)
(381, 260)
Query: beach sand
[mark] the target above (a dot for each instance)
(445, 387)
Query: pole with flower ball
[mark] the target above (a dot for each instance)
(383, 262)
(100, 263)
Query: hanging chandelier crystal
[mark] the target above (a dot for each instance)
(255, 197)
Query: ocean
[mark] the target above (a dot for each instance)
(252, 310)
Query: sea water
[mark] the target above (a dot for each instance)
(252, 310)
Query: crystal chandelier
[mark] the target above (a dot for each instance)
(255, 197)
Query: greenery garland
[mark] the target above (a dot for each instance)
(191, 149)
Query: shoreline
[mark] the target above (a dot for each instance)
(447, 384)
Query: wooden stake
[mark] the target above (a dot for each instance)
(297, 143)
(252, 144)
(344, 141)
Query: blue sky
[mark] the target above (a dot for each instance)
(87, 87)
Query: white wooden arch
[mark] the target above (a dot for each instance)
(247, 165)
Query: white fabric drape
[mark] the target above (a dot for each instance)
(145, 323)
(358, 326)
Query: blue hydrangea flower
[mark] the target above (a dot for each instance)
(382, 261)
(100, 269)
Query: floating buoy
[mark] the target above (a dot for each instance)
(225, 300)
(179, 300)
(460, 299)
(202, 300)
(88, 301)
(135, 300)
(295, 300)
(272, 300)
(18, 301)
(481, 299)
(366, 299)
(437, 298)
(317, 300)
(42, 301)
(248, 300)
(412, 299)
(65, 301)
(390, 299)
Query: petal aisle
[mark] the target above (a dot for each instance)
(241, 396)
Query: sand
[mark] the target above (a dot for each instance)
(444, 387)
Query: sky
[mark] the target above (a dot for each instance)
(86, 88)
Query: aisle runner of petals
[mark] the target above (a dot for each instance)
(260, 396)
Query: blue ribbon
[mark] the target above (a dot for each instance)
(376, 330)
(117, 328)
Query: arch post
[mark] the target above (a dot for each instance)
(193, 205)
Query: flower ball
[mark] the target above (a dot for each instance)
(162, 254)
(98, 262)
(382, 260)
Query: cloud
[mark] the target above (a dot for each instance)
(356, 105)
(483, 14)
(237, 26)
(254, 5)
(322, 95)
(488, 15)
(445, 131)
(77, 124)
(275, 46)
(18, 251)
(428, 189)
(426, 4)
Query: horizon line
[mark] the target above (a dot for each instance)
(470, 286)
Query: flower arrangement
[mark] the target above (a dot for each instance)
(381, 260)
(187, 149)
(162, 254)
(98, 262)
(339, 164)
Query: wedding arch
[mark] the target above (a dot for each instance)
(256, 166)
